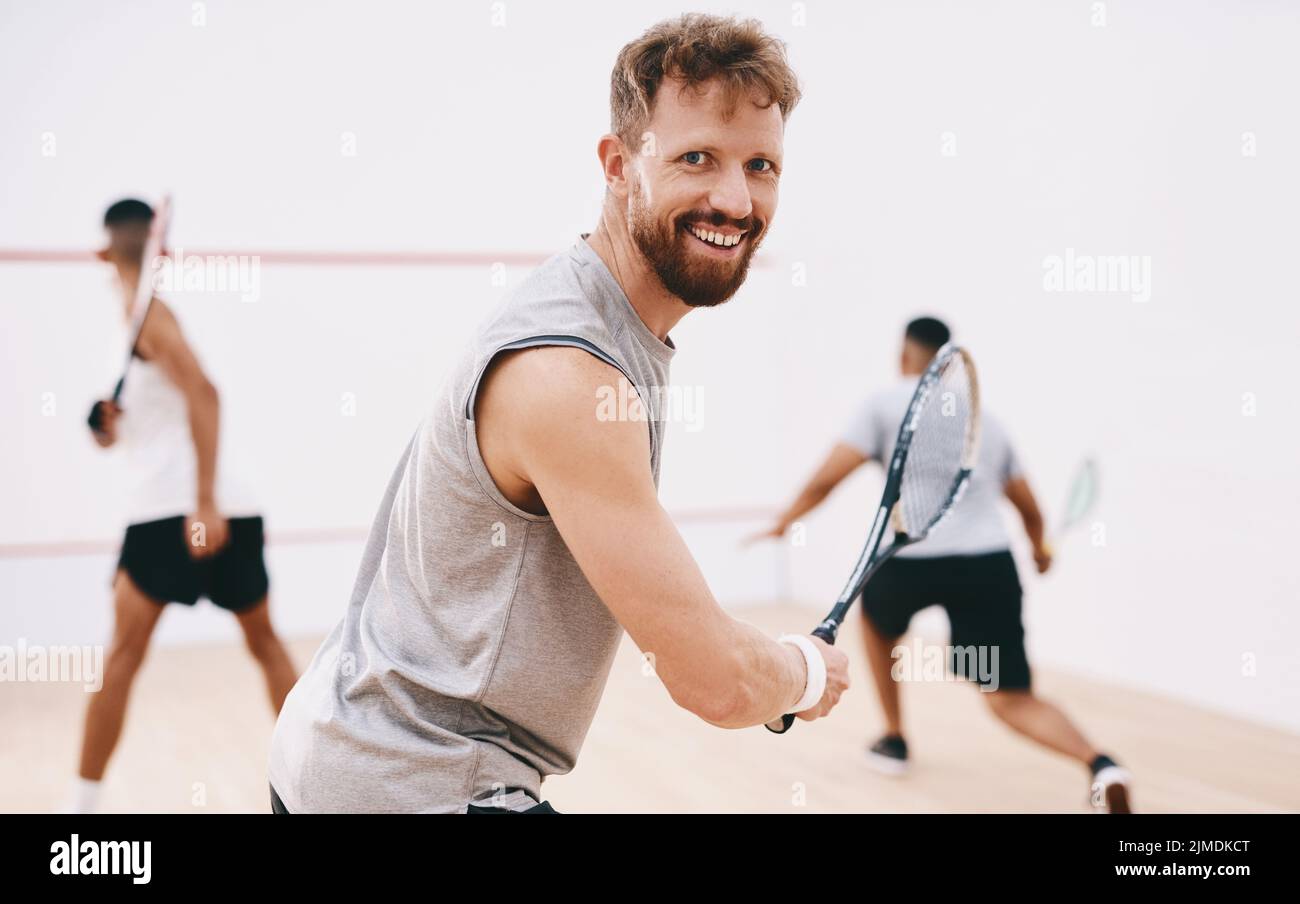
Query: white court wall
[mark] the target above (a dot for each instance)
(1122, 139)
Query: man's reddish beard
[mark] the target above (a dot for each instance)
(697, 280)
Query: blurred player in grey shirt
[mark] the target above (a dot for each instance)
(965, 566)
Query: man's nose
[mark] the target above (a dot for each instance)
(730, 194)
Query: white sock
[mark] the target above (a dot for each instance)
(84, 797)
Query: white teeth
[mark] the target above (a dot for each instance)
(717, 238)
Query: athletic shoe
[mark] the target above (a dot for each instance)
(1110, 786)
(888, 755)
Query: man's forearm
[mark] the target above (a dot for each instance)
(1034, 529)
(770, 679)
(808, 499)
(205, 427)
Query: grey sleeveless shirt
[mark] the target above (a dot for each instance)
(473, 652)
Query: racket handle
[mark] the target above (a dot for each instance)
(826, 631)
(781, 725)
(96, 418)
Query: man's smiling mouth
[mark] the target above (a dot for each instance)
(720, 240)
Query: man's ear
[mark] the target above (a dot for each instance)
(614, 162)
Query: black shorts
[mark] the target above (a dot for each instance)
(981, 595)
(157, 557)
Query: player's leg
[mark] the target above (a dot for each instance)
(266, 647)
(154, 568)
(983, 599)
(1040, 721)
(879, 646)
(988, 638)
(1046, 723)
(889, 601)
(239, 582)
(134, 617)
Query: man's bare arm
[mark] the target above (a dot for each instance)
(537, 421)
(1022, 497)
(162, 342)
(839, 463)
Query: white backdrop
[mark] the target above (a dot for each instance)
(941, 154)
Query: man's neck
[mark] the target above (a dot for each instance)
(658, 309)
(128, 280)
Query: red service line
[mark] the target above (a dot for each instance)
(315, 258)
(308, 258)
(318, 536)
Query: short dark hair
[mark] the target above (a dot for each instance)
(929, 332)
(128, 210)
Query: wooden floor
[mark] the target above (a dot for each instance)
(197, 735)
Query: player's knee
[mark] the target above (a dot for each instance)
(1004, 702)
(129, 646)
(127, 653)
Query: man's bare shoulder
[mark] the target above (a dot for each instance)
(545, 403)
(161, 331)
(561, 378)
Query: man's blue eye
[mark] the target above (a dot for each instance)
(693, 156)
(763, 165)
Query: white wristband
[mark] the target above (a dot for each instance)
(816, 686)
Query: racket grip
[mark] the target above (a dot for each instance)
(96, 418)
(826, 631)
(781, 725)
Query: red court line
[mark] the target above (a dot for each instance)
(315, 536)
(309, 258)
(315, 258)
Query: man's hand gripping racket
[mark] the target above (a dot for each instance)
(931, 465)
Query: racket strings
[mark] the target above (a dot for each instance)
(941, 448)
